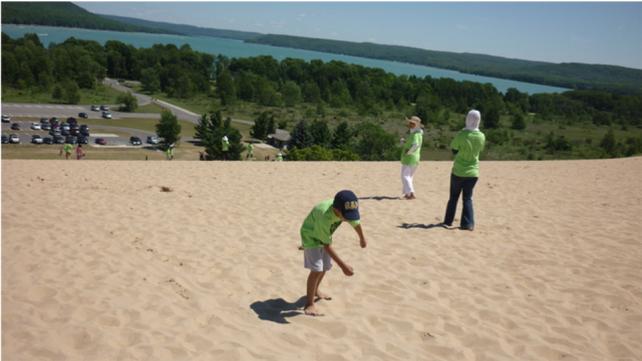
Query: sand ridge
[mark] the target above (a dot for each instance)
(99, 263)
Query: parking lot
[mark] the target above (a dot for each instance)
(112, 136)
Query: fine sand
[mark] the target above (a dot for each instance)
(119, 260)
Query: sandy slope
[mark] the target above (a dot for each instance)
(99, 264)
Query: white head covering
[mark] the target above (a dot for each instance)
(225, 138)
(472, 120)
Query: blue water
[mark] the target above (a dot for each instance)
(237, 49)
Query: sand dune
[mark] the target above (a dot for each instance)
(99, 263)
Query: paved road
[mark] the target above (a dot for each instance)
(64, 111)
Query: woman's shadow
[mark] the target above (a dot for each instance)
(277, 309)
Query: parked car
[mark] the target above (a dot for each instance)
(83, 139)
(135, 141)
(65, 126)
(83, 115)
(45, 126)
(36, 126)
(71, 121)
(64, 132)
(47, 140)
(36, 139)
(44, 121)
(71, 139)
(84, 127)
(152, 139)
(101, 141)
(107, 115)
(95, 108)
(15, 126)
(104, 107)
(14, 139)
(84, 132)
(5, 139)
(58, 139)
(6, 119)
(54, 120)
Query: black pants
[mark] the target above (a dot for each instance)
(457, 186)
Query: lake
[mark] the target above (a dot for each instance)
(237, 48)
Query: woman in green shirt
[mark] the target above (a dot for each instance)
(410, 155)
(466, 146)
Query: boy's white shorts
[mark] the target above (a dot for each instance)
(316, 259)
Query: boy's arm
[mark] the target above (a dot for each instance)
(347, 270)
(362, 239)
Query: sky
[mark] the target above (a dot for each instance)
(585, 32)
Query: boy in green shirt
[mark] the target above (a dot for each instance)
(316, 239)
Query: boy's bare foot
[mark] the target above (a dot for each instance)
(322, 296)
(312, 311)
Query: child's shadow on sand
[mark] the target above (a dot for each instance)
(277, 309)
(380, 198)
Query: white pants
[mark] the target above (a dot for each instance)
(407, 172)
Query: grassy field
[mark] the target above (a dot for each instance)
(100, 95)
(149, 108)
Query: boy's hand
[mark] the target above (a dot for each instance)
(347, 270)
(363, 243)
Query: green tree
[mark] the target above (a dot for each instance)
(342, 136)
(211, 132)
(168, 128)
(320, 133)
(518, 122)
(301, 137)
(608, 142)
(225, 87)
(57, 93)
(375, 144)
(71, 92)
(291, 93)
(150, 80)
(263, 126)
(128, 101)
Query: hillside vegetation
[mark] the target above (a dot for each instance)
(569, 75)
(64, 14)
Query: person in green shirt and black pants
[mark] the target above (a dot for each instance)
(466, 146)
(410, 155)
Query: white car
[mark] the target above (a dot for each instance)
(107, 115)
(152, 140)
(6, 119)
(36, 139)
(13, 138)
(36, 126)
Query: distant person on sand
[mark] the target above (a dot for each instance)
(410, 155)
(250, 151)
(316, 240)
(225, 146)
(67, 149)
(467, 145)
(170, 152)
(279, 157)
(80, 153)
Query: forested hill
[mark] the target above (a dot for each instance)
(65, 14)
(570, 75)
(186, 29)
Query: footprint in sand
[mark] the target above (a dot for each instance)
(178, 288)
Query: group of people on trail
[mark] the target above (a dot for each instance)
(324, 219)
(67, 149)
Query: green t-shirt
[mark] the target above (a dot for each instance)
(412, 159)
(250, 148)
(225, 145)
(468, 143)
(320, 224)
(68, 148)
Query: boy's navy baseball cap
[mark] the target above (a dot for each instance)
(348, 203)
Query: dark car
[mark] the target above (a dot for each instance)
(84, 132)
(101, 141)
(71, 139)
(47, 140)
(45, 126)
(54, 120)
(5, 139)
(104, 107)
(83, 139)
(58, 139)
(44, 121)
(15, 126)
(95, 108)
(54, 132)
(64, 132)
(135, 141)
(83, 115)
